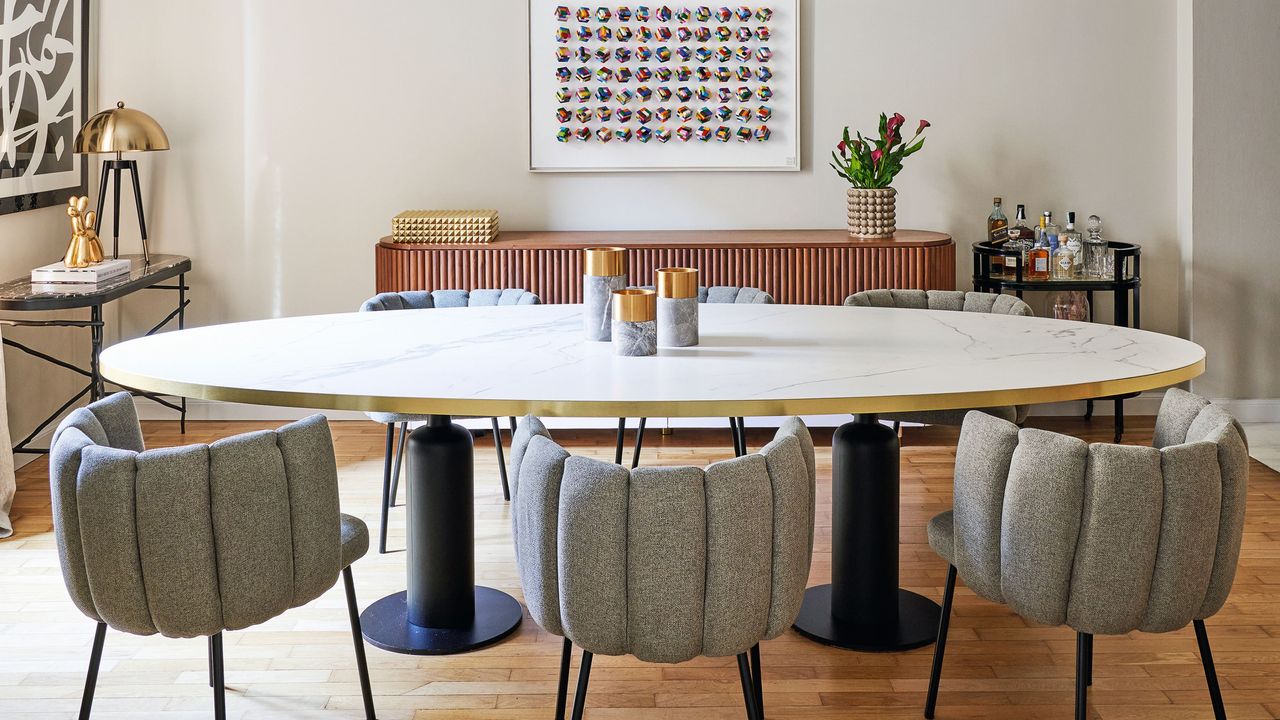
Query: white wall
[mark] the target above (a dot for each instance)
(300, 127)
(1235, 287)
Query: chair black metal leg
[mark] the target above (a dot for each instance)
(742, 436)
(562, 688)
(1119, 403)
(395, 469)
(512, 420)
(1210, 674)
(1082, 688)
(502, 463)
(940, 648)
(358, 637)
(1088, 409)
(635, 456)
(1088, 661)
(897, 427)
(758, 679)
(386, 494)
(91, 679)
(210, 639)
(219, 680)
(584, 675)
(748, 686)
(737, 438)
(617, 452)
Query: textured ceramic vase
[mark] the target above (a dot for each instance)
(604, 271)
(635, 327)
(677, 307)
(872, 212)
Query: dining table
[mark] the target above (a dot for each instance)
(752, 360)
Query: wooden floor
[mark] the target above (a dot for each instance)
(301, 665)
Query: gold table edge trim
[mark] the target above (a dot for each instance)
(661, 408)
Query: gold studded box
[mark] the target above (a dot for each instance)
(445, 226)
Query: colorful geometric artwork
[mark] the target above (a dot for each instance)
(624, 75)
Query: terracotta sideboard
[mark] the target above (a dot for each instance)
(816, 267)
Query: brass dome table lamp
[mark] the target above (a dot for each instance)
(121, 130)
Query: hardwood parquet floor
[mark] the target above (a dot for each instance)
(301, 665)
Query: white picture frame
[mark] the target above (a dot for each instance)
(547, 153)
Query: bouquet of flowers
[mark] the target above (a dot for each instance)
(873, 163)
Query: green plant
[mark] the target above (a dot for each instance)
(868, 163)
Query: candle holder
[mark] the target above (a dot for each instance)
(604, 271)
(635, 327)
(677, 307)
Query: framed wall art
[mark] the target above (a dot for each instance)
(44, 83)
(622, 86)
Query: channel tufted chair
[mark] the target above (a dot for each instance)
(1105, 539)
(959, 301)
(665, 564)
(197, 540)
(716, 294)
(394, 454)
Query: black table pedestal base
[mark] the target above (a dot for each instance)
(863, 608)
(386, 625)
(442, 611)
(916, 624)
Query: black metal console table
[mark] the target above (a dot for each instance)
(19, 295)
(1125, 285)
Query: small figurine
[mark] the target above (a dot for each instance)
(84, 250)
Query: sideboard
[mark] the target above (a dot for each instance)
(815, 267)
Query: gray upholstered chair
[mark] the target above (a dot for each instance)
(196, 540)
(1103, 538)
(716, 294)
(959, 301)
(394, 454)
(665, 564)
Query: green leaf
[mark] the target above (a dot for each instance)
(912, 150)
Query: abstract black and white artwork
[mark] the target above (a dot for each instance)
(43, 87)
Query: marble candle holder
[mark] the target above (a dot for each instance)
(677, 315)
(635, 327)
(604, 271)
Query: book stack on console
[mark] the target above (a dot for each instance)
(445, 226)
(57, 277)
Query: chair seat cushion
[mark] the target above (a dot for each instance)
(942, 536)
(355, 539)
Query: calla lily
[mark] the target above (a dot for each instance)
(875, 161)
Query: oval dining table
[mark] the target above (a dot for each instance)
(753, 360)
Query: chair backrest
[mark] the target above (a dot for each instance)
(192, 540)
(941, 300)
(663, 563)
(730, 294)
(423, 299)
(1104, 538)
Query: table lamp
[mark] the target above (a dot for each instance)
(121, 130)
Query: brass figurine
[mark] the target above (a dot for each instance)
(84, 250)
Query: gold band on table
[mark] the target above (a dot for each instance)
(635, 305)
(678, 282)
(604, 261)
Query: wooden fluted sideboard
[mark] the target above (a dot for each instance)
(814, 267)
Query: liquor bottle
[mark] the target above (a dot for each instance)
(1064, 263)
(997, 235)
(1020, 239)
(1095, 250)
(1038, 256)
(1072, 239)
(1051, 232)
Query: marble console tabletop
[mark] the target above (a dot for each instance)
(752, 360)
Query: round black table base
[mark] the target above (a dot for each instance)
(386, 625)
(917, 624)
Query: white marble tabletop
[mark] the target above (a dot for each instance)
(752, 360)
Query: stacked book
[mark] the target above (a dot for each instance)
(58, 278)
(445, 226)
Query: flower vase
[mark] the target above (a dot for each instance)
(872, 212)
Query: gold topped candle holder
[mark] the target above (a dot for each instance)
(635, 331)
(677, 307)
(604, 271)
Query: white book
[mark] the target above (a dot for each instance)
(57, 272)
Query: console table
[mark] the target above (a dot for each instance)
(19, 295)
(811, 267)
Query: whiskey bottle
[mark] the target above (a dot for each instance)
(1020, 239)
(1072, 239)
(997, 235)
(1038, 256)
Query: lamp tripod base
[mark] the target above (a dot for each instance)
(112, 169)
